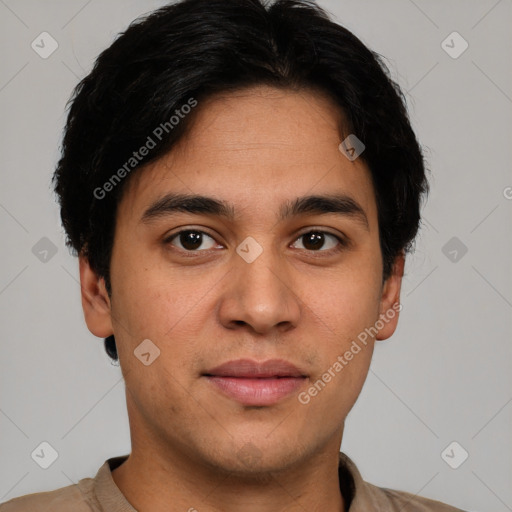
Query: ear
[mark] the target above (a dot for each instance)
(390, 299)
(95, 300)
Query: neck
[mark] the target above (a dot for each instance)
(151, 480)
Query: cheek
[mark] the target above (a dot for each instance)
(153, 301)
(342, 308)
(342, 329)
(345, 301)
(152, 307)
(342, 350)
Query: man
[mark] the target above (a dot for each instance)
(241, 184)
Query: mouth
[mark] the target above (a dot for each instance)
(256, 384)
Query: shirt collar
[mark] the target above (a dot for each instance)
(108, 494)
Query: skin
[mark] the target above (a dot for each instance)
(254, 149)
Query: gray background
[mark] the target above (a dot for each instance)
(444, 376)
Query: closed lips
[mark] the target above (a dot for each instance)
(246, 368)
(256, 384)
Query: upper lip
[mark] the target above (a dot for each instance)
(247, 368)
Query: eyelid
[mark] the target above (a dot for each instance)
(181, 229)
(320, 229)
(168, 238)
(342, 239)
(304, 231)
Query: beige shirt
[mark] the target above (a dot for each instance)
(100, 494)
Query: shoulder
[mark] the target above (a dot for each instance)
(392, 500)
(76, 498)
(366, 497)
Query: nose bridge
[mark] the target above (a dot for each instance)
(264, 279)
(261, 283)
(260, 293)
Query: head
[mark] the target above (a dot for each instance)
(203, 124)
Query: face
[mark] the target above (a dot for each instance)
(256, 299)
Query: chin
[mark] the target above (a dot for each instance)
(255, 458)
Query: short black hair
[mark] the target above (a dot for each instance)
(169, 61)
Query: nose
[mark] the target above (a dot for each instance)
(260, 296)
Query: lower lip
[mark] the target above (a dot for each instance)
(257, 391)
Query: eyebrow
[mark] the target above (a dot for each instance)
(340, 204)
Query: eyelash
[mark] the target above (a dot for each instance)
(342, 243)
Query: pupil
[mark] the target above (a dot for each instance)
(314, 240)
(190, 239)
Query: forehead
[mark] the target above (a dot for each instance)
(257, 148)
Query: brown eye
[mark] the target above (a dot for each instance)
(319, 241)
(191, 240)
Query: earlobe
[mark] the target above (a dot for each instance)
(390, 300)
(95, 300)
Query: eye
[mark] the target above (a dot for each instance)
(191, 240)
(315, 240)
